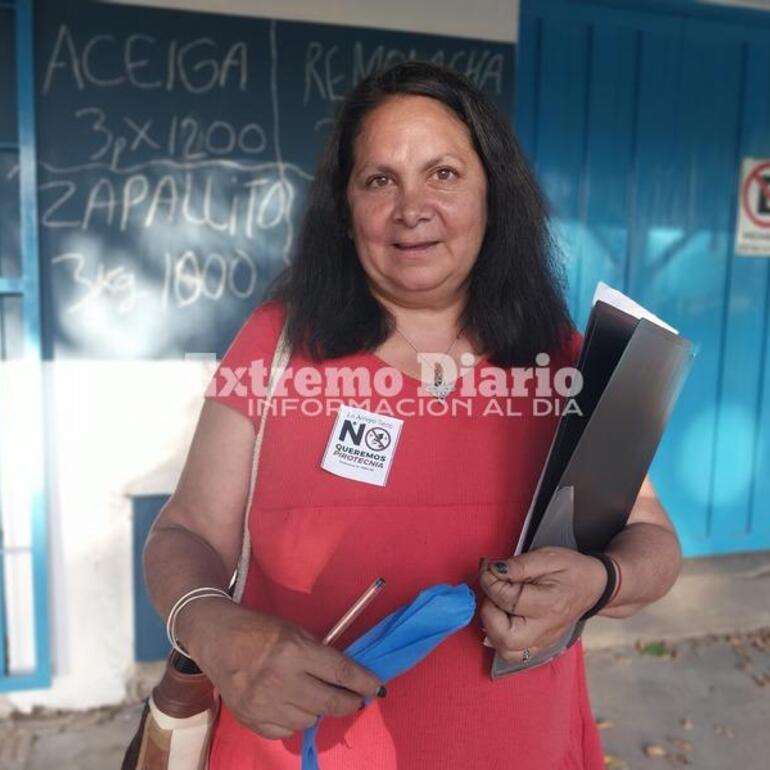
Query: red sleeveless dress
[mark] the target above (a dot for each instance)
(458, 489)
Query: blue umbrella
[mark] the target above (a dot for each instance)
(403, 639)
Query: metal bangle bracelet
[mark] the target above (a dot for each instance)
(204, 592)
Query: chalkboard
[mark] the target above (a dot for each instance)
(175, 151)
(7, 77)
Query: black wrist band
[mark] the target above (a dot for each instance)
(609, 589)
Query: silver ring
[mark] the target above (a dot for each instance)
(527, 655)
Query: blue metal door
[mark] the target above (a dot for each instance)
(636, 116)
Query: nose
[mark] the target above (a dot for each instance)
(412, 205)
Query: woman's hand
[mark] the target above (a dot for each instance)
(275, 677)
(532, 600)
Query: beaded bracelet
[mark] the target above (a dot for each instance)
(613, 574)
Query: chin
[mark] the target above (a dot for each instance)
(418, 287)
(418, 276)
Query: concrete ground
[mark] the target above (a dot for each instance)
(686, 682)
(683, 683)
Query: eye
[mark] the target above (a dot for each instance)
(377, 181)
(444, 174)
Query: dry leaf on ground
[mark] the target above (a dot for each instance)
(656, 649)
(654, 750)
(604, 724)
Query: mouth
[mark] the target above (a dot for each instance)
(412, 247)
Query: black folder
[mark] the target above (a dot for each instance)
(633, 371)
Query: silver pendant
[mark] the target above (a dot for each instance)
(439, 391)
(438, 388)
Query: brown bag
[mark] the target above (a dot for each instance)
(178, 718)
(177, 721)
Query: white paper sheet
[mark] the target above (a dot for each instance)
(619, 300)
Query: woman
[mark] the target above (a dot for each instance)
(424, 232)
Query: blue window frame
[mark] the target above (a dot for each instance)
(25, 660)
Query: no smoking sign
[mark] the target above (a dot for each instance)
(752, 237)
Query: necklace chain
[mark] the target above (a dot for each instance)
(438, 388)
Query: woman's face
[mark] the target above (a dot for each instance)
(417, 197)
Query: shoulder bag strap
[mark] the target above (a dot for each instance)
(277, 368)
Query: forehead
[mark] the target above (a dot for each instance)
(418, 122)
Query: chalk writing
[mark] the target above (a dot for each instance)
(175, 152)
(185, 137)
(107, 61)
(328, 75)
(237, 208)
(187, 278)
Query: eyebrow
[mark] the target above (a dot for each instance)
(432, 162)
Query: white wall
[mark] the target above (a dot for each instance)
(760, 5)
(485, 19)
(488, 19)
(118, 429)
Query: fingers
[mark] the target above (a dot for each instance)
(538, 601)
(498, 583)
(556, 598)
(297, 718)
(335, 668)
(530, 565)
(272, 731)
(528, 584)
(501, 591)
(504, 632)
(323, 699)
(501, 628)
(305, 706)
(518, 656)
(530, 600)
(510, 634)
(294, 682)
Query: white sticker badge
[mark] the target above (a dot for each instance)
(362, 445)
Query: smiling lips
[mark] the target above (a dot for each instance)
(415, 246)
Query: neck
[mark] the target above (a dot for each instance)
(431, 324)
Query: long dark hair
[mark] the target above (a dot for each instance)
(515, 306)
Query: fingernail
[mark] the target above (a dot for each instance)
(382, 692)
(501, 566)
